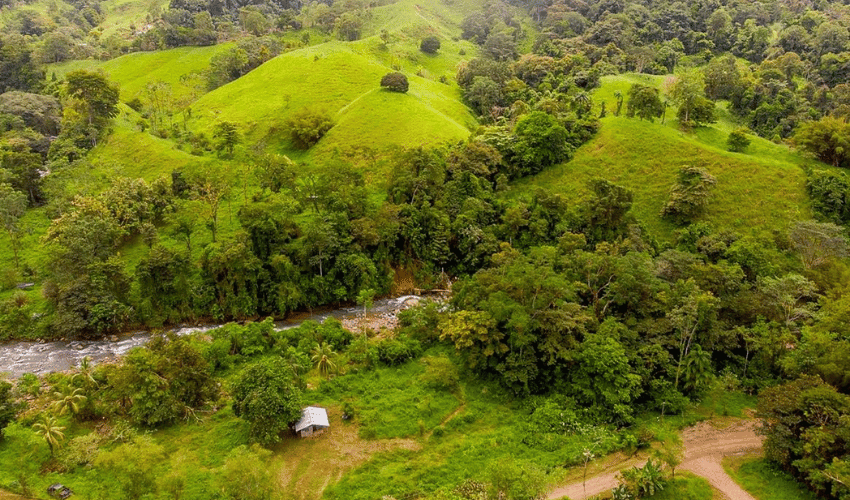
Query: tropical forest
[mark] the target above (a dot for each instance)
(445, 250)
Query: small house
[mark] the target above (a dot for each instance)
(58, 491)
(314, 420)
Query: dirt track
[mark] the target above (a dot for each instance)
(705, 446)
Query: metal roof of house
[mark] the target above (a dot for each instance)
(312, 416)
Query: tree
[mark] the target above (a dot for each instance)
(132, 465)
(644, 102)
(276, 172)
(603, 379)
(430, 45)
(619, 96)
(365, 298)
(738, 142)
(160, 102)
(788, 297)
(228, 137)
(689, 196)
(828, 139)
(49, 429)
(267, 399)
(13, 206)
(183, 222)
(307, 126)
(68, 401)
(42, 113)
(805, 424)
(8, 405)
(694, 311)
(99, 97)
(696, 372)
(670, 452)
(322, 357)
(688, 92)
(514, 480)
(18, 70)
(209, 189)
(162, 382)
(818, 242)
(395, 82)
(607, 210)
(541, 142)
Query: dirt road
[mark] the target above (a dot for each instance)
(705, 446)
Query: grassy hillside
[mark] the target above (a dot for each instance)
(133, 72)
(344, 81)
(759, 191)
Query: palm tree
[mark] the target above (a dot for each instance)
(582, 103)
(69, 400)
(323, 359)
(619, 96)
(49, 429)
(86, 372)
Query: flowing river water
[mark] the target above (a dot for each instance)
(17, 358)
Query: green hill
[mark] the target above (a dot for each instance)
(345, 81)
(759, 191)
(133, 72)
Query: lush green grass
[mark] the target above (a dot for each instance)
(388, 405)
(334, 77)
(121, 15)
(754, 194)
(765, 481)
(757, 192)
(686, 486)
(128, 152)
(133, 72)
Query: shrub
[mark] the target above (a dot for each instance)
(307, 126)
(29, 385)
(396, 351)
(689, 196)
(738, 140)
(395, 82)
(430, 45)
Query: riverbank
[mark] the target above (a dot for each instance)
(40, 357)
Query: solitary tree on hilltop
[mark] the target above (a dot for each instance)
(395, 82)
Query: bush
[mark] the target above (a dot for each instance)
(430, 45)
(738, 140)
(28, 385)
(395, 82)
(689, 196)
(307, 126)
(396, 351)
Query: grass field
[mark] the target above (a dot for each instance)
(338, 79)
(757, 192)
(687, 486)
(764, 480)
(133, 72)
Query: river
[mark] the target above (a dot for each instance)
(17, 358)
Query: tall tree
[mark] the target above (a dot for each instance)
(49, 429)
(96, 95)
(13, 205)
(266, 397)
